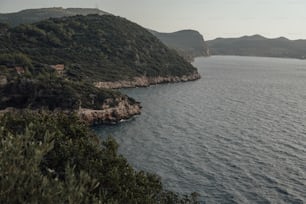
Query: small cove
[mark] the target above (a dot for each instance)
(237, 135)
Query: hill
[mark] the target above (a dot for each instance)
(35, 15)
(54, 64)
(188, 43)
(93, 48)
(257, 45)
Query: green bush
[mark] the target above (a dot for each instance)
(53, 158)
(15, 59)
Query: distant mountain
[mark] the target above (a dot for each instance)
(188, 43)
(258, 45)
(35, 15)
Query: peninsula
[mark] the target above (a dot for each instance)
(60, 63)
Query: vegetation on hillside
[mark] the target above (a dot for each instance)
(54, 158)
(28, 16)
(51, 157)
(188, 43)
(92, 48)
(89, 48)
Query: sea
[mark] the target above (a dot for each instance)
(237, 135)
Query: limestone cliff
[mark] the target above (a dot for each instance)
(188, 43)
(146, 81)
(110, 114)
(112, 111)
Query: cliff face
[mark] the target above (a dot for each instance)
(125, 108)
(110, 114)
(188, 43)
(93, 105)
(146, 81)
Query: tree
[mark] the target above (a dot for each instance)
(54, 158)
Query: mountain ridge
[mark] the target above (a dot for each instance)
(188, 43)
(258, 45)
(34, 15)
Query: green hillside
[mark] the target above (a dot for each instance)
(92, 48)
(188, 43)
(52, 157)
(34, 15)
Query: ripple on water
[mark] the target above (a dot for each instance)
(238, 135)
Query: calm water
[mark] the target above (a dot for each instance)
(238, 135)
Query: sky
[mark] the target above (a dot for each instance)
(212, 18)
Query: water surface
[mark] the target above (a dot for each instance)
(238, 135)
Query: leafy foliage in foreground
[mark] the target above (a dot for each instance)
(93, 48)
(53, 158)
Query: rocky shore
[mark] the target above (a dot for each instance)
(124, 109)
(112, 111)
(147, 81)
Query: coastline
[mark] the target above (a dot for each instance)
(124, 108)
(110, 115)
(144, 81)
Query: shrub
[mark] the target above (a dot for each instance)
(53, 158)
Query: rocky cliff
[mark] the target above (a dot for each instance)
(124, 109)
(109, 114)
(188, 43)
(91, 104)
(146, 81)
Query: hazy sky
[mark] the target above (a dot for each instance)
(213, 18)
